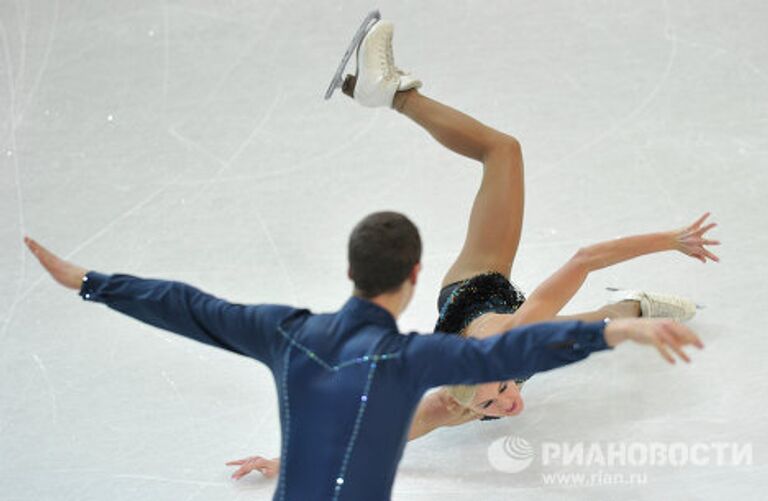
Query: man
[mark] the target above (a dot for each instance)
(348, 382)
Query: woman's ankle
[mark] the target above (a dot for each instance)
(624, 309)
(401, 98)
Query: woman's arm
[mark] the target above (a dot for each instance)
(555, 292)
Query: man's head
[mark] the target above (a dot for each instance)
(384, 254)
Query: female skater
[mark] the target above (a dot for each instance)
(477, 298)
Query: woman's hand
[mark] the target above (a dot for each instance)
(270, 468)
(692, 241)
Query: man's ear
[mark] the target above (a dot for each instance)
(413, 277)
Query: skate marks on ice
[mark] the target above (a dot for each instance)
(16, 111)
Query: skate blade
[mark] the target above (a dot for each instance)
(336, 82)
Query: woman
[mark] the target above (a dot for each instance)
(477, 298)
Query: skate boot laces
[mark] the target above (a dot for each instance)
(387, 60)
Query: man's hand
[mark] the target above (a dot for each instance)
(64, 272)
(270, 468)
(692, 240)
(665, 335)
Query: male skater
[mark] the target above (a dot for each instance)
(348, 382)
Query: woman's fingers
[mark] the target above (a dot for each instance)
(710, 255)
(243, 471)
(238, 462)
(701, 220)
(695, 247)
(701, 231)
(249, 464)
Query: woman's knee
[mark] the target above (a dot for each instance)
(505, 150)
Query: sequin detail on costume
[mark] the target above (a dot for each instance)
(287, 414)
(462, 302)
(373, 361)
(355, 430)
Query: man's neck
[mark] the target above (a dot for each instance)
(390, 302)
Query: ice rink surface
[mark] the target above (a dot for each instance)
(189, 140)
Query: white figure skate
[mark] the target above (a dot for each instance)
(376, 79)
(653, 305)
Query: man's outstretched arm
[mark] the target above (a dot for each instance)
(448, 359)
(249, 330)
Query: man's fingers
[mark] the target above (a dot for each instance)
(41, 253)
(32, 245)
(685, 335)
(664, 352)
(669, 338)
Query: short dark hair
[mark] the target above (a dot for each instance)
(383, 249)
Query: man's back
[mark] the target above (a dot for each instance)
(345, 405)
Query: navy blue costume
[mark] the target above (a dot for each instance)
(348, 382)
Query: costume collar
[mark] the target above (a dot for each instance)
(370, 311)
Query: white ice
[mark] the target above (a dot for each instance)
(188, 139)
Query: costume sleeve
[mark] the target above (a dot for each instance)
(438, 359)
(249, 330)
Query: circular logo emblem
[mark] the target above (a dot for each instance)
(510, 454)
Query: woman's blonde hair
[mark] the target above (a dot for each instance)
(464, 394)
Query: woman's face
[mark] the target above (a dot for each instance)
(498, 399)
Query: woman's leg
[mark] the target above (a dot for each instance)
(623, 309)
(496, 219)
